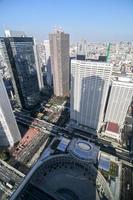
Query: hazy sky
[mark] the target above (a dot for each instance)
(94, 20)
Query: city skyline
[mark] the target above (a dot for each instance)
(66, 100)
(100, 21)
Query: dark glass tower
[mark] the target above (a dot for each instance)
(21, 62)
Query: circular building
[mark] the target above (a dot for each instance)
(83, 150)
(61, 177)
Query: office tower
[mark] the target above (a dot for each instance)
(49, 74)
(9, 133)
(59, 50)
(82, 47)
(9, 33)
(120, 99)
(39, 66)
(47, 50)
(81, 50)
(20, 58)
(89, 88)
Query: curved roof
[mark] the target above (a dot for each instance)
(64, 178)
(83, 150)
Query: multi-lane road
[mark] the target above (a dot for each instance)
(127, 183)
(51, 129)
(10, 179)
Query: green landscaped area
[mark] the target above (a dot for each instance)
(4, 155)
(113, 169)
(57, 100)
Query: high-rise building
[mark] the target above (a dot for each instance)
(9, 132)
(39, 66)
(21, 61)
(59, 50)
(49, 73)
(81, 50)
(10, 33)
(47, 50)
(120, 99)
(89, 89)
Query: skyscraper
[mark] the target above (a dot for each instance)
(59, 50)
(120, 99)
(10, 33)
(47, 50)
(20, 58)
(89, 88)
(81, 50)
(49, 74)
(39, 66)
(9, 132)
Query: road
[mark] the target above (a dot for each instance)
(8, 175)
(55, 130)
(127, 183)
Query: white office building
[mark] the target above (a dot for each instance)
(11, 33)
(119, 101)
(89, 88)
(47, 50)
(49, 71)
(9, 132)
(38, 66)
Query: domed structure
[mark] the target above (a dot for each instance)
(61, 177)
(83, 150)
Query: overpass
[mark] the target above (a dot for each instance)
(54, 130)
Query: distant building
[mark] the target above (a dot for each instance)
(9, 33)
(80, 57)
(9, 132)
(82, 47)
(39, 64)
(59, 50)
(120, 99)
(89, 88)
(20, 57)
(49, 73)
(47, 50)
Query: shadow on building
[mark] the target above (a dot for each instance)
(62, 176)
(90, 105)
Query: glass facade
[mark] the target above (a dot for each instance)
(22, 66)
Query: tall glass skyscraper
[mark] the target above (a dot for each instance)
(20, 57)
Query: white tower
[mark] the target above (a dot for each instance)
(89, 88)
(9, 132)
(119, 101)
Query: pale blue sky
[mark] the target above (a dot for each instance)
(94, 20)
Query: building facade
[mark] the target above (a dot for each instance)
(120, 99)
(47, 50)
(49, 73)
(89, 89)
(59, 50)
(21, 61)
(39, 65)
(9, 132)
